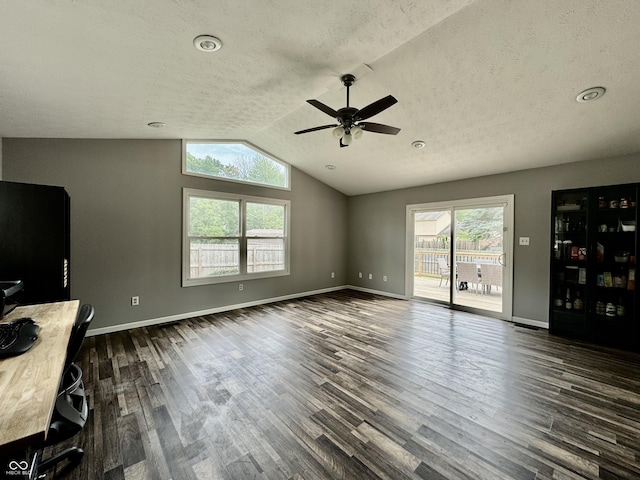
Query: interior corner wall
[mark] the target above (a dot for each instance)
(126, 227)
(0, 158)
(377, 224)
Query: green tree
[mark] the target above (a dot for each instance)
(259, 169)
(263, 216)
(210, 217)
(479, 224)
(266, 171)
(210, 166)
(253, 168)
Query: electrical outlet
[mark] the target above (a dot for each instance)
(333, 274)
(135, 301)
(384, 278)
(359, 274)
(524, 241)
(371, 276)
(240, 287)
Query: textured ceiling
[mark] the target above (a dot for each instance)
(489, 85)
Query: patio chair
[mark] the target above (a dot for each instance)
(491, 276)
(445, 271)
(468, 272)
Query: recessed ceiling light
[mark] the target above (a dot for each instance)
(156, 124)
(418, 144)
(330, 167)
(207, 43)
(590, 94)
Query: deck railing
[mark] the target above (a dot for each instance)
(425, 261)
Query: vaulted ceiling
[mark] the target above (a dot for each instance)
(490, 86)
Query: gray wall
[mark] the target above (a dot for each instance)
(126, 226)
(126, 218)
(377, 224)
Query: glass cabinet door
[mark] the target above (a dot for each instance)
(613, 282)
(569, 293)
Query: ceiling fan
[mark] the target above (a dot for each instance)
(350, 120)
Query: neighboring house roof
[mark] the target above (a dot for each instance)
(446, 231)
(426, 216)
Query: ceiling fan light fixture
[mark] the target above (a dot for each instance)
(338, 132)
(356, 132)
(347, 139)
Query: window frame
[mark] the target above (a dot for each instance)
(187, 281)
(249, 145)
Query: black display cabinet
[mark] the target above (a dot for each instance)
(34, 240)
(594, 243)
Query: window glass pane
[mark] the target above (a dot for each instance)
(228, 237)
(265, 254)
(211, 217)
(234, 161)
(214, 257)
(265, 220)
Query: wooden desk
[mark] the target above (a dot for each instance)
(29, 382)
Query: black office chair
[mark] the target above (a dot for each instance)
(71, 409)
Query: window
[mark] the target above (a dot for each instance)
(232, 237)
(235, 161)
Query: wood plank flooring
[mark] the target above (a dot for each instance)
(350, 385)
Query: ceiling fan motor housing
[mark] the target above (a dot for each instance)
(346, 116)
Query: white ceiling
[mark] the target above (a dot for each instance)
(489, 85)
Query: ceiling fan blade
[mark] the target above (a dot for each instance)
(375, 107)
(378, 128)
(314, 129)
(326, 109)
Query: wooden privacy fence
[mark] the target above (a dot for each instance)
(219, 259)
(425, 261)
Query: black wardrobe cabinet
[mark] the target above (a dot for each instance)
(594, 244)
(34, 240)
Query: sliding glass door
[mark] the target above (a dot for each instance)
(479, 258)
(432, 254)
(459, 254)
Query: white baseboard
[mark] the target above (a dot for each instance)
(377, 292)
(531, 323)
(181, 316)
(225, 308)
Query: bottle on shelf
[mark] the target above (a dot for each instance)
(602, 202)
(631, 281)
(610, 310)
(568, 302)
(620, 310)
(557, 301)
(578, 304)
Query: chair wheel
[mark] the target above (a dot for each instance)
(77, 455)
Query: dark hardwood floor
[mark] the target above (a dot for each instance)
(356, 386)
